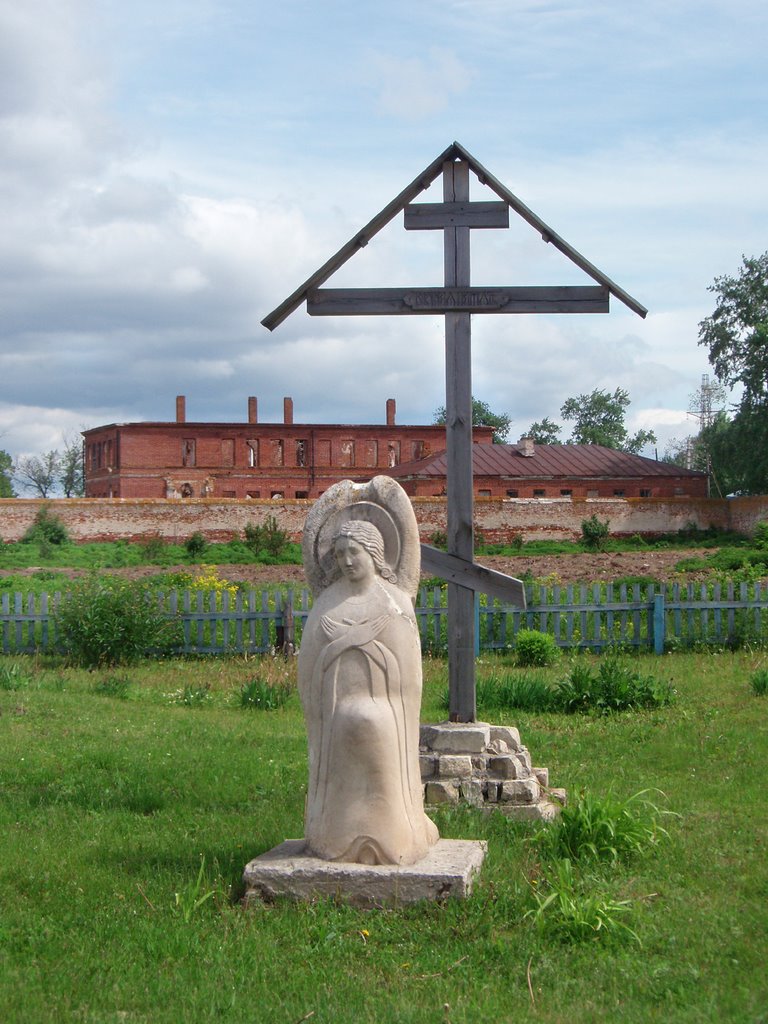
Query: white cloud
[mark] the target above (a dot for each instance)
(416, 87)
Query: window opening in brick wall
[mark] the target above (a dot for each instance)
(393, 453)
(512, 493)
(228, 451)
(186, 490)
(483, 493)
(417, 450)
(645, 492)
(188, 454)
(301, 452)
(539, 492)
(276, 453)
(253, 494)
(566, 492)
(253, 453)
(302, 494)
(347, 453)
(593, 494)
(618, 492)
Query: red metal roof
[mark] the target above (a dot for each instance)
(548, 460)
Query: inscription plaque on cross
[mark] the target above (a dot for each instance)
(456, 216)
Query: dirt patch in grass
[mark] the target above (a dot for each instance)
(582, 567)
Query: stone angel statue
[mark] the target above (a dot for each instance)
(360, 678)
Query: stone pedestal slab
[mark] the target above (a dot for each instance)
(448, 870)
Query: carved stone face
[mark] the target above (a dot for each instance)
(353, 560)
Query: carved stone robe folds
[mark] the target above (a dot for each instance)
(360, 684)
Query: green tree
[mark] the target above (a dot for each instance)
(544, 431)
(736, 335)
(6, 475)
(71, 476)
(39, 473)
(483, 416)
(598, 418)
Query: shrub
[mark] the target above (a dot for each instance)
(439, 539)
(264, 696)
(267, 538)
(153, 546)
(535, 649)
(46, 529)
(759, 682)
(761, 534)
(613, 686)
(594, 533)
(196, 545)
(106, 621)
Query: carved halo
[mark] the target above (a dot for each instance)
(381, 502)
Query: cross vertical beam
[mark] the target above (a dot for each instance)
(458, 418)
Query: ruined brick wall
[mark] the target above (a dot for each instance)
(498, 520)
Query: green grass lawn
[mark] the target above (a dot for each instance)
(110, 807)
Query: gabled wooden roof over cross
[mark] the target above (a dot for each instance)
(456, 216)
(476, 215)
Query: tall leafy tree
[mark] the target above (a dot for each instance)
(544, 431)
(6, 475)
(483, 416)
(71, 475)
(736, 335)
(598, 418)
(39, 473)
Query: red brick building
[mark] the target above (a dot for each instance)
(248, 460)
(528, 470)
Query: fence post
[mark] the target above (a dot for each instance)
(659, 622)
(477, 625)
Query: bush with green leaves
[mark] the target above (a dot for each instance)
(196, 545)
(534, 649)
(594, 533)
(614, 685)
(266, 537)
(47, 528)
(105, 621)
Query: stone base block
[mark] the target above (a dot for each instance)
(448, 870)
(544, 810)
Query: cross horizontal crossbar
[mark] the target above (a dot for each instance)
(428, 216)
(415, 301)
(472, 576)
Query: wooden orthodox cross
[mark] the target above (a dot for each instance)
(456, 216)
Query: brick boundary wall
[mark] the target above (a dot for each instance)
(130, 519)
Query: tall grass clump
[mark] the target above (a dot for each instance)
(107, 621)
(570, 910)
(759, 682)
(13, 677)
(262, 695)
(522, 692)
(604, 828)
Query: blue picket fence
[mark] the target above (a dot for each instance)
(592, 617)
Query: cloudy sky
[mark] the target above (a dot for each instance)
(171, 171)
